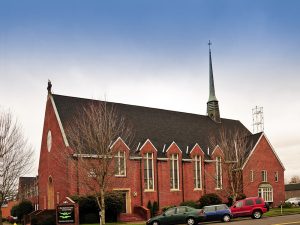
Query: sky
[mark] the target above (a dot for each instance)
(155, 54)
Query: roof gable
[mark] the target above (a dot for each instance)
(255, 147)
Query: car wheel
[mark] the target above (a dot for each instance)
(155, 223)
(190, 221)
(226, 218)
(256, 215)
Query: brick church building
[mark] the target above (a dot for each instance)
(170, 160)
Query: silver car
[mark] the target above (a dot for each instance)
(294, 201)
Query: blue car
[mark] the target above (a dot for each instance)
(217, 212)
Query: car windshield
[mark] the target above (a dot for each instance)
(170, 212)
(221, 207)
(209, 208)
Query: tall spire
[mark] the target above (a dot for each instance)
(212, 104)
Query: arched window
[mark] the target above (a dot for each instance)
(219, 173)
(148, 171)
(120, 164)
(266, 192)
(174, 172)
(197, 172)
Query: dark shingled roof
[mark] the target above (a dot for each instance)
(162, 127)
(292, 187)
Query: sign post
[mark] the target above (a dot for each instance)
(67, 212)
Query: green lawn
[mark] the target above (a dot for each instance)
(133, 223)
(285, 211)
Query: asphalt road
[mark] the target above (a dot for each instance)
(278, 220)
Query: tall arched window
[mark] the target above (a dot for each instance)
(197, 172)
(174, 172)
(148, 171)
(120, 164)
(218, 173)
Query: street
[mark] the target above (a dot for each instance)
(278, 220)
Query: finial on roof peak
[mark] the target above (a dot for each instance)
(49, 86)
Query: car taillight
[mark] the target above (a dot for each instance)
(201, 212)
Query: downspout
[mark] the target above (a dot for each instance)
(182, 183)
(157, 182)
(77, 175)
(141, 182)
(204, 180)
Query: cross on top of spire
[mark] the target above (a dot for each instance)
(209, 44)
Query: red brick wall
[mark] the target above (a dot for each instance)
(52, 163)
(263, 158)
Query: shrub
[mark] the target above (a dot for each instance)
(23, 208)
(155, 208)
(91, 218)
(149, 206)
(287, 205)
(87, 205)
(48, 221)
(113, 205)
(210, 199)
(89, 210)
(190, 203)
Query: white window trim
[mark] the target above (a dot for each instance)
(276, 176)
(266, 194)
(198, 162)
(119, 157)
(173, 158)
(264, 173)
(147, 175)
(251, 176)
(219, 173)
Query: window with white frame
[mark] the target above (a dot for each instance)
(264, 176)
(197, 172)
(251, 175)
(276, 176)
(265, 191)
(218, 173)
(120, 164)
(174, 172)
(148, 171)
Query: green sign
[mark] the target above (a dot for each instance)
(66, 214)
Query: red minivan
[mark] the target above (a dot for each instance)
(253, 207)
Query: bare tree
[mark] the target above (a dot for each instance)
(92, 134)
(294, 180)
(15, 155)
(234, 144)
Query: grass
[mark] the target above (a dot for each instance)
(119, 223)
(285, 211)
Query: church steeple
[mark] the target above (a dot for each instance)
(212, 104)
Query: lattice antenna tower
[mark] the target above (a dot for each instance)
(258, 119)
